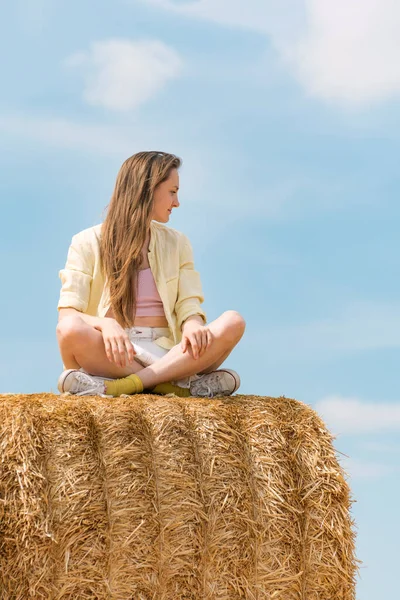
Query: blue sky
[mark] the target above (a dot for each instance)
(286, 117)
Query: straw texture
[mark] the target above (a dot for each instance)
(163, 498)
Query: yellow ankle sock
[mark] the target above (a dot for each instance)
(170, 388)
(127, 385)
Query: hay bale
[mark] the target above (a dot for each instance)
(155, 498)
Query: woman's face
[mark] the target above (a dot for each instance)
(166, 198)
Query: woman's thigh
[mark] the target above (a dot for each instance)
(85, 344)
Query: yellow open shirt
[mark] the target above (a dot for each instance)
(171, 262)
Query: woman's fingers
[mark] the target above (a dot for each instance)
(184, 344)
(108, 349)
(119, 350)
(197, 343)
(200, 343)
(203, 341)
(129, 350)
(126, 351)
(195, 346)
(117, 345)
(116, 353)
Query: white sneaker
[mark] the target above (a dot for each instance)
(77, 381)
(186, 382)
(222, 382)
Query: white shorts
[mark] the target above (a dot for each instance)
(143, 340)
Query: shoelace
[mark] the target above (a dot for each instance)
(202, 386)
(209, 392)
(83, 378)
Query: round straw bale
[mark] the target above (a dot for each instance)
(156, 498)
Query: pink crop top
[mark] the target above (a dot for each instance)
(148, 301)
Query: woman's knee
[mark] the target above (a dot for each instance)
(71, 327)
(235, 325)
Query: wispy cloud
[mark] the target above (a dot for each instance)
(122, 74)
(381, 447)
(343, 51)
(358, 326)
(349, 415)
(264, 16)
(276, 202)
(33, 17)
(359, 469)
(64, 133)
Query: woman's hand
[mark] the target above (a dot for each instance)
(117, 344)
(196, 338)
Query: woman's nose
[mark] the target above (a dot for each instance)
(176, 202)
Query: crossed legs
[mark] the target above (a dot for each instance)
(82, 346)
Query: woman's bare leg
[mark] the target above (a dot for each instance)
(227, 331)
(82, 346)
(217, 363)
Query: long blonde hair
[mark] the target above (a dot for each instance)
(125, 227)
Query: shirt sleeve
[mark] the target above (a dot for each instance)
(190, 294)
(76, 277)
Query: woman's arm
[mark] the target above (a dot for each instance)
(77, 275)
(195, 318)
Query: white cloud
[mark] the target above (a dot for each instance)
(121, 75)
(344, 51)
(349, 415)
(349, 53)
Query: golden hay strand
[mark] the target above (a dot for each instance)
(164, 498)
(78, 501)
(328, 537)
(25, 531)
(278, 508)
(227, 532)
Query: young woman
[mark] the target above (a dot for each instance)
(130, 316)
